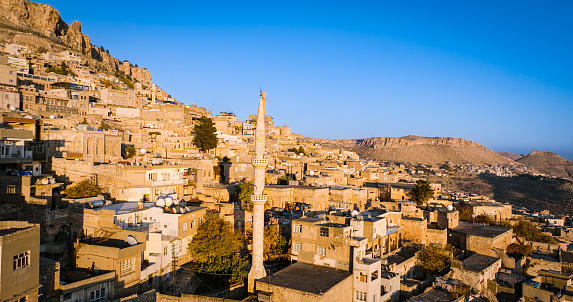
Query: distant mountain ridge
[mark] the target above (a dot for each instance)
(417, 149)
(549, 163)
(512, 156)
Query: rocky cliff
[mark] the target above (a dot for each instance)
(549, 163)
(40, 25)
(416, 149)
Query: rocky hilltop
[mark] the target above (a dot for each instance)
(549, 163)
(40, 26)
(417, 149)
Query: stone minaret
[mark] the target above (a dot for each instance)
(258, 198)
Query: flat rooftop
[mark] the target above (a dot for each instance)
(10, 227)
(433, 295)
(308, 278)
(478, 262)
(79, 274)
(477, 229)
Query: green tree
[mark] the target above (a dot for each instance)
(243, 194)
(130, 152)
(205, 138)
(104, 126)
(275, 244)
(85, 188)
(434, 259)
(301, 150)
(529, 230)
(422, 192)
(216, 250)
(84, 122)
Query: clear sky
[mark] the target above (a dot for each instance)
(499, 73)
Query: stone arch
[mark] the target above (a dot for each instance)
(89, 146)
(98, 147)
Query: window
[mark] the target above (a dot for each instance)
(297, 246)
(324, 232)
(360, 296)
(11, 189)
(192, 223)
(184, 226)
(321, 251)
(164, 250)
(126, 267)
(21, 260)
(363, 277)
(153, 176)
(98, 295)
(298, 228)
(374, 275)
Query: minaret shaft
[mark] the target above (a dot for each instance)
(258, 198)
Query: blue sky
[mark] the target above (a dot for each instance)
(497, 73)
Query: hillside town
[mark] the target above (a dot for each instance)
(108, 184)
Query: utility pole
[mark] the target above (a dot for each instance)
(174, 264)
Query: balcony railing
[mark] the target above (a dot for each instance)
(173, 182)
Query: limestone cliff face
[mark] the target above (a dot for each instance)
(29, 17)
(400, 142)
(416, 149)
(38, 17)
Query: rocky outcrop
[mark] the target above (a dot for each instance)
(41, 18)
(38, 25)
(549, 163)
(416, 149)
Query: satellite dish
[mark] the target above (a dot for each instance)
(354, 213)
(160, 202)
(52, 116)
(168, 201)
(131, 240)
(450, 207)
(52, 180)
(142, 150)
(29, 117)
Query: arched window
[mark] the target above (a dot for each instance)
(114, 149)
(77, 145)
(89, 146)
(98, 147)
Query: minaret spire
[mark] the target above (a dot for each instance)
(258, 198)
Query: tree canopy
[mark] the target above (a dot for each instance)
(434, 259)
(85, 188)
(422, 192)
(243, 194)
(216, 250)
(205, 138)
(529, 230)
(275, 244)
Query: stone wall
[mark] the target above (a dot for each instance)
(341, 292)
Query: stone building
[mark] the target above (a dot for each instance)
(306, 282)
(91, 146)
(479, 238)
(19, 261)
(112, 249)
